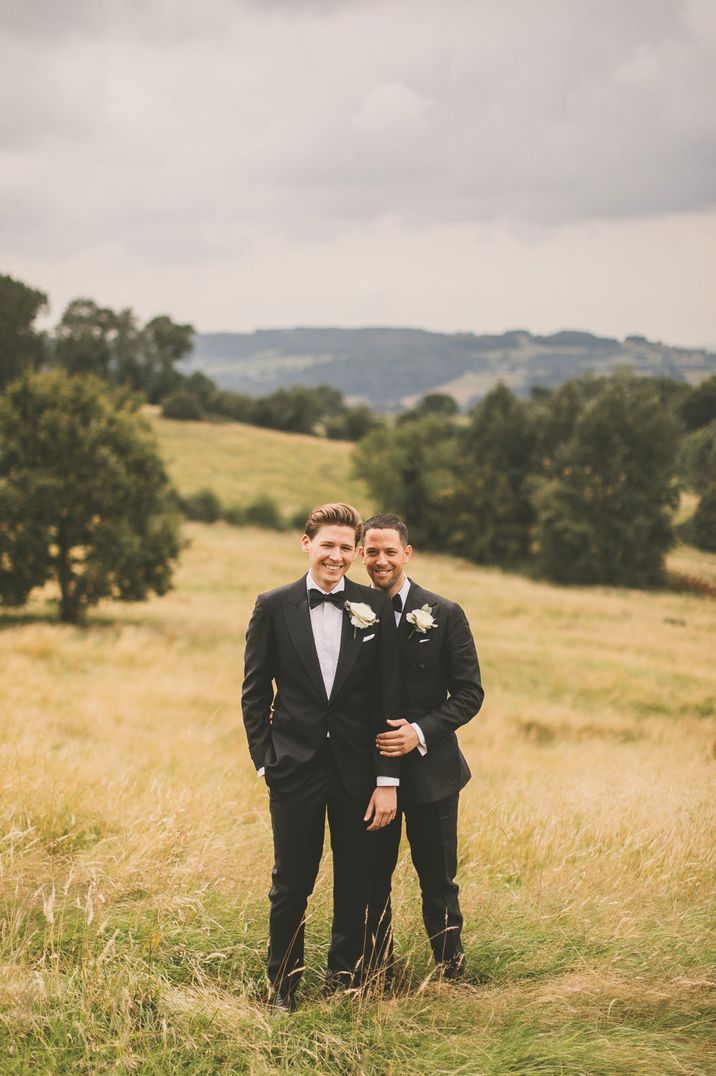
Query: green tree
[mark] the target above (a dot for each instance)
(91, 339)
(699, 407)
(351, 424)
(697, 458)
(702, 525)
(21, 346)
(411, 470)
(493, 514)
(435, 403)
(85, 501)
(164, 343)
(183, 405)
(605, 516)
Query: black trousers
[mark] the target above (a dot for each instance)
(432, 834)
(298, 821)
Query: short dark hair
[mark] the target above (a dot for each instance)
(333, 515)
(386, 522)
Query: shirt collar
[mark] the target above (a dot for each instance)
(311, 584)
(403, 592)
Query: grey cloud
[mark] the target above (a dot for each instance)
(167, 128)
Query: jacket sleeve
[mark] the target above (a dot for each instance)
(462, 680)
(389, 687)
(257, 692)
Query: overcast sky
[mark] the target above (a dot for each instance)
(471, 165)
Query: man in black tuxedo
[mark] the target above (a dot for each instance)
(441, 690)
(330, 646)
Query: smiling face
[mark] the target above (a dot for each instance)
(331, 551)
(384, 558)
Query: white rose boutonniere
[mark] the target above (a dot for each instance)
(362, 616)
(422, 620)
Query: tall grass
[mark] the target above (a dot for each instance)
(135, 846)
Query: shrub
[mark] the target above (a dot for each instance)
(182, 405)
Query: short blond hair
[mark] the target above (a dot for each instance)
(334, 515)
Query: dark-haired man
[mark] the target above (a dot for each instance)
(441, 690)
(330, 647)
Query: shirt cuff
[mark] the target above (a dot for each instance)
(422, 746)
(387, 782)
(261, 772)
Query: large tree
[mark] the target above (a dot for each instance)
(92, 339)
(411, 470)
(85, 501)
(21, 346)
(492, 513)
(605, 514)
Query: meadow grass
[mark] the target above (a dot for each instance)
(135, 847)
(239, 462)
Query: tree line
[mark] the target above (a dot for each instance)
(114, 346)
(578, 484)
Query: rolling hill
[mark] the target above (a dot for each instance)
(390, 368)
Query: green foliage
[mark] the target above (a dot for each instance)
(90, 339)
(182, 405)
(351, 424)
(435, 403)
(696, 460)
(493, 514)
(699, 407)
(21, 347)
(296, 410)
(702, 525)
(604, 517)
(411, 471)
(264, 512)
(202, 507)
(84, 498)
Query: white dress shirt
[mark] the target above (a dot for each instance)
(327, 625)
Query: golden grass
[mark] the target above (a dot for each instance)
(241, 462)
(135, 845)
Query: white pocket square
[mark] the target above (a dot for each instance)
(423, 640)
(367, 638)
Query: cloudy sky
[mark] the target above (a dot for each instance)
(471, 165)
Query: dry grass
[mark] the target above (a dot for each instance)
(238, 462)
(135, 843)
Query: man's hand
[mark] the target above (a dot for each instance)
(401, 742)
(382, 807)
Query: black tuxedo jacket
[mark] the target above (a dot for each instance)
(441, 690)
(287, 730)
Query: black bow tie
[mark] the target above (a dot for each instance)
(316, 597)
(397, 603)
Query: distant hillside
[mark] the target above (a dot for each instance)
(389, 368)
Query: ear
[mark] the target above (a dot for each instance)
(305, 543)
(361, 551)
(407, 553)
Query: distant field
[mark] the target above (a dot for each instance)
(242, 462)
(136, 849)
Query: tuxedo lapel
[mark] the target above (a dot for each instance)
(298, 622)
(351, 642)
(414, 600)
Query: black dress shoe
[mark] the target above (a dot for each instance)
(453, 970)
(337, 983)
(282, 1002)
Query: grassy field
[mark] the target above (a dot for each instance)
(241, 462)
(136, 853)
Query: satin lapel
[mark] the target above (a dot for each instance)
(414, 600)
(298, 622)
(351, 642)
